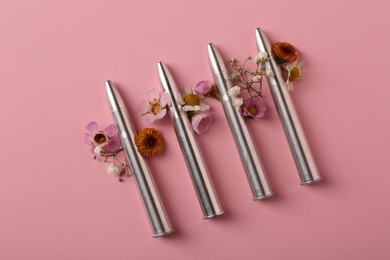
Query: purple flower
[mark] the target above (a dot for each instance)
(254, 108)
(154, 108)
(203, 88)
(101, 139)
(201, 122)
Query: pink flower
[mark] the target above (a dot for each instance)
(254, 108)
(201, 122)
(101, 140)
(203, 88)
(154, 108)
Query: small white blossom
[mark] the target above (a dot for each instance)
(98, 150)
(234, 91)
(114, 169)
(237, 102)
(269, 73)
(256, 78)
(261, 56)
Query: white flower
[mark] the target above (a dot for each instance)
(269, 73)
(260, 57)
(233, 93)
(114, 169)
(98, 150)
(295, 72)
(256, 78)
(237, 102)
(192, 102)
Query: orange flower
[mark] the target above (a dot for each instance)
(284, 52)
(149, 142)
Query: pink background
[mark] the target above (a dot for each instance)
(57, 203)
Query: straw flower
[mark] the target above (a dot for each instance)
(284, 52)
(149, 142)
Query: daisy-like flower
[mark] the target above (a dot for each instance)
(154, 108)
(284, 52)
(101, 140)
(233, 93)
(295, 72)
(149, 142)
(190, 101)
(260, 57)
(201, 122)
(254, 108)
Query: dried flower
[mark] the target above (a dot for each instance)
(149, 142)
(154, 108)
(99, 139)
(104, 145)
(203, 88)
(284, 52)
(295, 72)
(254, 108)
(233, 93)
(192, 102)
(260, 57)
(201, 122)
(114, 169)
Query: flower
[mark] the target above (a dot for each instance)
(269, 72)
(149, 142)
(260, 57)
(114, 169)
(203, 88)
(257, 78)
(284, 52)
(101, 139)
(192, 102)
(154, 108)
(254, 108)
(201, 122)
(233, 92)
(295, 72)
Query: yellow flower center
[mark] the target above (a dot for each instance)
(294, 74)
(191, 99)
(155, 107)
(252, 110)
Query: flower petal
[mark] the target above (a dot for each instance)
(92, 150)
(111, 130)
(165, 99)
(149, 118)
(153, 94)
(161, 114)
(87, 138)
(92, 127)
(143, 107)
(201, 123)
(204, 106)
(112, 146)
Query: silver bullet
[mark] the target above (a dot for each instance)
(304, 161)
(249, 157)
(143, 179)
(198, 170)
